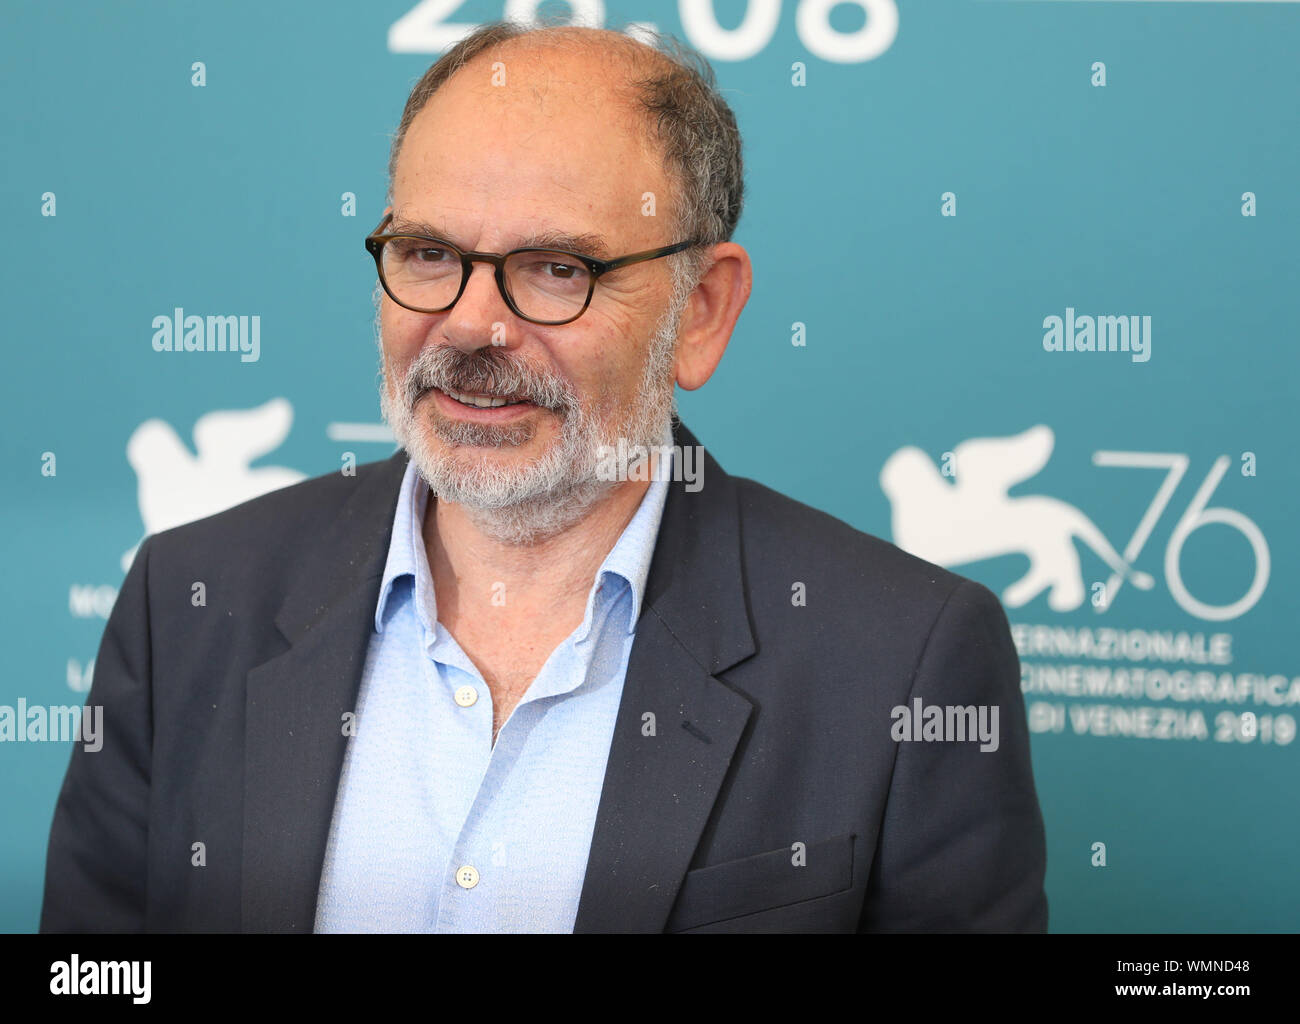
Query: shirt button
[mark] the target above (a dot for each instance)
(467, 877)
(466, 696)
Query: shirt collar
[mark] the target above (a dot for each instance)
(632, 554)
(628, 560)
(406, 554)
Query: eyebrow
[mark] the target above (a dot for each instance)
(588, 244)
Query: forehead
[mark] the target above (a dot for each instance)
(552, 136)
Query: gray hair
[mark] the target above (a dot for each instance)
(674, 88)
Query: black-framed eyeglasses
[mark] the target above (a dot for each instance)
(543, 286)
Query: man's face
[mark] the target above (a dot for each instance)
(491, 168)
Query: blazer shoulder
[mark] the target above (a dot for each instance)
(279, 518)
(784, 535)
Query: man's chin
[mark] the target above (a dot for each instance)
(480, 461)
(514, 503)
(482, 472)
(499, 446)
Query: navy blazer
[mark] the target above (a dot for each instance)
(769, 796)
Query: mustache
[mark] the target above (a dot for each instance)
(487, 371)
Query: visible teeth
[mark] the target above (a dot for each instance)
(480, 401)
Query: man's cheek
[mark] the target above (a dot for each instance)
(608, 388)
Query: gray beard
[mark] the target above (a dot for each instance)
(525, 504)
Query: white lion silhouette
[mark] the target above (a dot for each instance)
(974, 517)
(176, 487)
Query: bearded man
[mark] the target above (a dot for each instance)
(549, 668)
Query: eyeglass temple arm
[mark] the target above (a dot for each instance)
(638, 257)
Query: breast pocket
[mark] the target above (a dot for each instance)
(764, 881)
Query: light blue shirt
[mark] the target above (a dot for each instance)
(435, 829)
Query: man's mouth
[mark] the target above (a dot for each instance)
(482, 401)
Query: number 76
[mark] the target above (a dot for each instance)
(1196, 516)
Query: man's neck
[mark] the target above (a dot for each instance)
(480, 579)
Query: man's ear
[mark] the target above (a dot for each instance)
(711, 314)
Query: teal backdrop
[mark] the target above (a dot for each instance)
(929, 183)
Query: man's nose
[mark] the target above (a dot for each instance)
(480, 316)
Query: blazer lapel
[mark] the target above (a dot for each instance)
(660, 789)
(295, 703)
